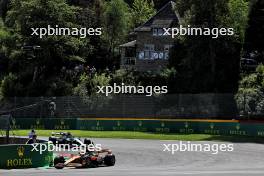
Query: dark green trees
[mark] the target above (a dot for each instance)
(205, 64)
(36, 61)
(254, 35)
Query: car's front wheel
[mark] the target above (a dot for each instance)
(109, 160)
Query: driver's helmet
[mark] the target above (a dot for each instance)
(87, 141)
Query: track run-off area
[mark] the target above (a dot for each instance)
(147, 158)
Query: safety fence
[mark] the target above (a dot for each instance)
(189, 126)
(221, 106)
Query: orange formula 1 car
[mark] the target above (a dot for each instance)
(89, 159)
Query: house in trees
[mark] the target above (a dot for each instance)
(150, 50)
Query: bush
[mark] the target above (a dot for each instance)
(250, 96)
(124, 76)
(10, 86)
(88, 84)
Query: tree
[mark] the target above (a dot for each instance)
(88, 84)
(250, 95)
(239, 12)
(10, 86)
(3, 8)
(93, 16)
(254, 33)
(205, 64)
(157, 3)
(116, 24)
(141, 11)
(39, 69)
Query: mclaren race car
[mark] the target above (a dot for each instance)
(87, 160)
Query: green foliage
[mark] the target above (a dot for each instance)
(168, 72)
(204, 63)
(250, 96)
(44, 65)
(56, 87)
(87, 89)
(254, 80)
(254, 33)
(141, 11)
(157, 3)
(127, 77)
(92, 15)
(3, 32)
(249, 81)
(81, 89)
(116, 23)
(3, 8)
(239, 17)
(6, 39)
(10, 86)
(88, 84)
(25, 15)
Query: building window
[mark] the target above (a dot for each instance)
(130, 61)
(130, 52)
(141, 55)
(167, 48)
(158, 32)
(148, 51)
(149, 47)
(154, 55)
(166, 51)
(166, 55)
(161, 55)
(155, 31)
(147, 54)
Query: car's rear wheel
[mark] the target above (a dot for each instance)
(52, 140)
(109, 160)
(59, 166)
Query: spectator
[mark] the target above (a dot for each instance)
(31, 133)
(32, 140)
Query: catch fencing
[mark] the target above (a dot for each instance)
(172, 106)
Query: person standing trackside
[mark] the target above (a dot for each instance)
(32, 140)
(31, 133)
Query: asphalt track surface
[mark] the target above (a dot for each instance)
(146, 158)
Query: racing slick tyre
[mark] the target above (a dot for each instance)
(52, 140)
(109, 160)
(59, 162)
(59, 166)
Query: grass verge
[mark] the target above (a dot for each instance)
(145, 135)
